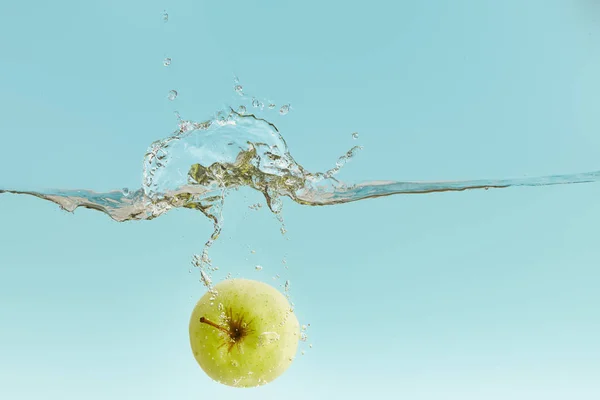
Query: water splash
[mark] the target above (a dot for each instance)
(201, 162)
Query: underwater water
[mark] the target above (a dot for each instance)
(479, 293)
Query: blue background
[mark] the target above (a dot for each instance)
(474, 295)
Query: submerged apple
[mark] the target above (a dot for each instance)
(245, 334)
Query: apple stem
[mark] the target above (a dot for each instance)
(219, 327)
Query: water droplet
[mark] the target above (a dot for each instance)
(172, 95)
(165, 16)
(257, 104)
(303, 337)
(271, 106)
(242, 110)
(253, 251)
(303, 352)
(239, 89)
(284, 109)
(303, 327)
(167, 62)
(125, 191)
(287, 286)
(355, 135)
(258, 268)
(310, 345)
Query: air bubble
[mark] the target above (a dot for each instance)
(267, 338)
(255, 207)
(172, 95)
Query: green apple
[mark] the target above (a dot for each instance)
(244, 333)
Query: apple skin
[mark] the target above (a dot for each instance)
(269, 346)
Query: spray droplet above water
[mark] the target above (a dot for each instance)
(172, 95)
(257, 104)
(167, 62)
(284, 109)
